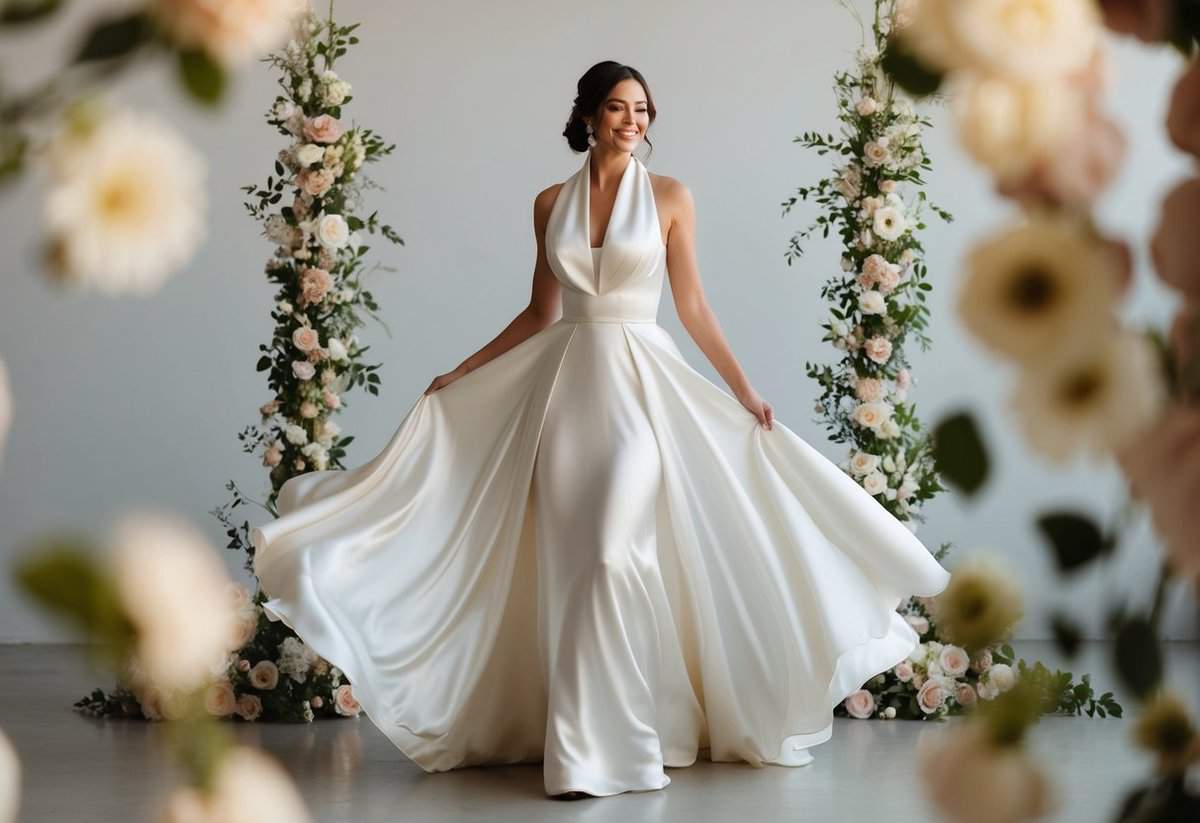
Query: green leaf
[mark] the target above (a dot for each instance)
(15, 12)
(202, 76)
(1138, 655)
(264, 363)
(909, 73)
(114, 37)
(1075, 538)
(959, 453)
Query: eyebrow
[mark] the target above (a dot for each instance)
(619, 100)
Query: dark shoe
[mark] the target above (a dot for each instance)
(571, 795)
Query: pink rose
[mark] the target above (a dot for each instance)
(890, 279)
(919, 623)
(1175, 246)
(982, 661)
(1183, 117)
(874, 266)
(243, 665)
(323, 129)
(331, 399)
(316, 702)
(954, 660)
(878, 349)
(931, 696)
(1147, 20)
(315, 182)
(268, 409)
(869, 389)
(860, 704)
(249, 707)
(904, 671)
(306, 338)
(272, 457)
(964, 693)
(219, 699)
(264, 675)
(344, 702)
(309, 410)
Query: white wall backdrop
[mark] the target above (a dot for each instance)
(126, 402)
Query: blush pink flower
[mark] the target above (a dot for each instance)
(860, 704)
(931, 696)
(323, 128)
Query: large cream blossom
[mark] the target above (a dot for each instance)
(174, 588)
(248, 787)
(1093, 399)
(1039, 286)
(126, 203)
(231, 31)
(1023, 39)
(1008, 126)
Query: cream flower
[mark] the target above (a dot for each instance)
(872, 302)
(968, 777)
(863, 463)
(954, 660)
(872, 415)
(869, 389)
(866, 106)
(980, 606)
(247, 786)
(309, 153)
(875, 153)
(264, 676)
(249, 707)
(1038, 286)
(890, 223)
(931, 696)
(232, 31)
(173, 586)
(303, 369)
(878, 349)
(126, 204)
(306, 338)
(875, 483)
(332, 231)
(344, 701)
(1009, 126)
(1096, 399)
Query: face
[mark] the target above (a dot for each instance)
(623, 118)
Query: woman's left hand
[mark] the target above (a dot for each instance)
(758, 407)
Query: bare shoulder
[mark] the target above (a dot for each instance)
(543, 203)
(670, 194)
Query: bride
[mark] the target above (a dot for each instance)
(577, 550)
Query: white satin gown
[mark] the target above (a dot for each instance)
(585, 553)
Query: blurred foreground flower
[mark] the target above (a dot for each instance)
(10, 780)
(971, 778)
(1166, 729)
(127, 202)
(1094, 399)
(1043, 284)
(230, 31)
(174, 588)
(980, 606)
(247, 787)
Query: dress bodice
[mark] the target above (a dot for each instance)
(621, 281)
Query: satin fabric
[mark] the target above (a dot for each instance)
(586, 553)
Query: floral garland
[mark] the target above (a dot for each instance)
(314, 358)
(879, 299)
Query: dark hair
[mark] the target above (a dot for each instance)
(592, 90)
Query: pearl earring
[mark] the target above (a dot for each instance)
(591, 137)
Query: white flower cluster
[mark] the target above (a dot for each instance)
(296, 659)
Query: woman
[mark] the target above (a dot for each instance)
(575, 548)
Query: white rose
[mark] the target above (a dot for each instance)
(872, 302)
(1001, 676)
(332, 231)
(875, 153)
(875, 483)
(890, 223)
(863, 463)
(303, 369)
(867, 106)
(872, 415)
(337, 350)
(296, 434)
(309, 153)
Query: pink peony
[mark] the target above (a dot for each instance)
(315, 182)
(315, 283)
(860, 704)
(323, 129)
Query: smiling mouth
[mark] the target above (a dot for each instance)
(630, 134)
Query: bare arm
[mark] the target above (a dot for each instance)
(543, 308)
(691, 304)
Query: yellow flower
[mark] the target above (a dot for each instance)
(1166, 728)
(979, 607)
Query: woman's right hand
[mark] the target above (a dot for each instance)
(445, 379)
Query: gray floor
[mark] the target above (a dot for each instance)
(78, 768)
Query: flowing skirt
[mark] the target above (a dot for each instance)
(585, 553)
